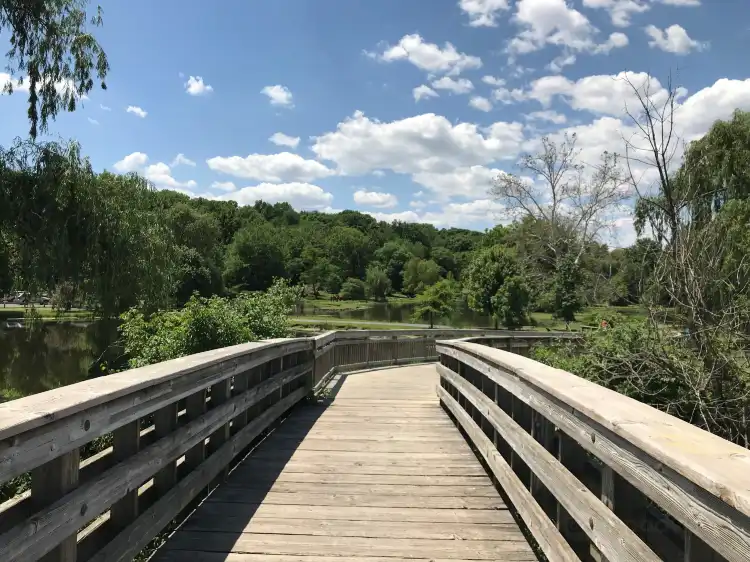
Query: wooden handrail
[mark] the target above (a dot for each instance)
(549, 427)
(171, 430)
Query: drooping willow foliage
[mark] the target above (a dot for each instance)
(52, 56)
(63, 225)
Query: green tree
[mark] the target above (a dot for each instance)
(377, 282)
(495, 286)
(349, 250)
(254, 258)
(52, 55)
(420, 274)
(437, 301)
(353, 289)
(98, 232)
(393, 256)
(567, 290)
(205, 324)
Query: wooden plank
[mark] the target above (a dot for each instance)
(354, 456)
(272, 476)
(546, 534)
(612, 537)
(48, 483)
(618, 441)
(370, 446)
(371, 529)
(354, 513)
(227, 494)
(71, 416)
(412, 490)
(137, 535)
(468, 468)
(64, 517)
(347, 546)
(339, 434)
(197, 556)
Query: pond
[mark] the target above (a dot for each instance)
(55, 354)
(462, 317)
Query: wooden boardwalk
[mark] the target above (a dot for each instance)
(379, 474)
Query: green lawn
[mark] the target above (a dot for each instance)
(324, 302)
(44, 312)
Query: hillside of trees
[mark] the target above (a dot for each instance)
(113, 242)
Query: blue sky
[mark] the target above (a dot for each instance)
(491, 77)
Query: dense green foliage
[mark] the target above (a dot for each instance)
(205, 324)
(437, 301)
(495, 286)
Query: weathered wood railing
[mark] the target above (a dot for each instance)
(114, 460)
(337, 352)
(596, 475)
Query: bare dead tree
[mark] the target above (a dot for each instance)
(573, 199)
(704, 297)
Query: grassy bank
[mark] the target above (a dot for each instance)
(324, 302)
(9, 311)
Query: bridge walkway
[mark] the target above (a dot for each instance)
(377, 472)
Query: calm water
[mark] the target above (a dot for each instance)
(56, 354)
(463, 317)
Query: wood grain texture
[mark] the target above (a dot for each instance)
(712, 518)
(375, 488)
(611, 536)
(546, 534)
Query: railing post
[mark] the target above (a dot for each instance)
(220, 393)
(367, 351)
(395, 349)
(608, 499)
(165, 422)
(126, 442)
(50, 482)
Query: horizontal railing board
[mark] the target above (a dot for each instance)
(136, 536)
(41, 409)
(623, 433)
(551, 542)
(610, 535)
(47, 528)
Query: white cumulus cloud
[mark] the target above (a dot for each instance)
(280, 139)
(483, 13)
(279, 95)
(375, 199)
(224, 185)
(135, 110)
(423, 92)
(195, 86)
(303, 196)
(428, 56)
(282, 167)
(673, 39)
(181, 159)
(547, 115)
(557, 22)
(131, 163)
(423, 143)
(480, 103)
(460, 86)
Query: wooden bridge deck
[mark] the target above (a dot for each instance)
(380, 473)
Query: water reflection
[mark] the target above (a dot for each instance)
(462, 317)
(55, 354)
